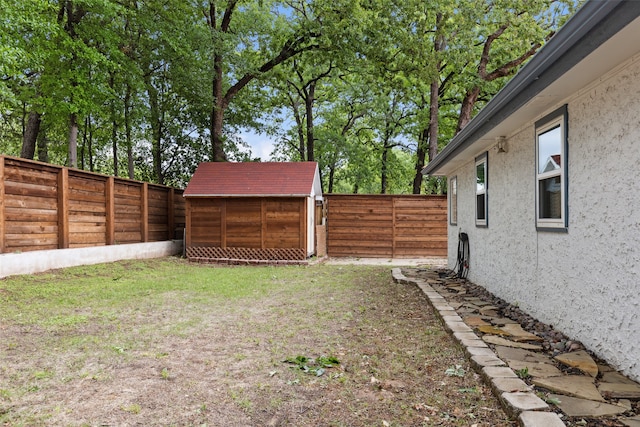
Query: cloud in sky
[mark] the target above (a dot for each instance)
(261, 145)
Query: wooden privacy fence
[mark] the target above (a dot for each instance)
(386, 226)
(52, 207)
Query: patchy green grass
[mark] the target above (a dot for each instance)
(168, 342)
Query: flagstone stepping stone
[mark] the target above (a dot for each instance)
(580, 360)
(492, 339)
(489, 313)
(536, 370)
(519, 334)
(576, 407)
(501, 321)
(615, 377)
(521, 355)
(620, 390)
(475, 321)
(490, 329)
(476, 301)
(488, 308)
(631, 422)
(572, 385)
(455, 305)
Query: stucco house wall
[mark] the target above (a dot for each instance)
(584, 282)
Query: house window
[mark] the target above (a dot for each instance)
(551, 161)
(453, 201)
(481, 191)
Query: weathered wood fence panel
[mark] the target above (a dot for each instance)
(49, 207)
(246, 228)
(386, 226)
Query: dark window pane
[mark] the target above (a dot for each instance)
(550, 194)
(480, 207)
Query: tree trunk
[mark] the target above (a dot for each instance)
(90, 142)
(30, 136)
(73, 140)
(308, 102)
(156, 127)
(433, 118)
(217, 141)
(43, 150)
(466, 109)
(295, 106)
(127, 131)
(383, 174)
(114, 143)
(83, 149)
(217, 112)
(332, 172)
(421, 154)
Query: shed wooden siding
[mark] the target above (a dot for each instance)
(386, 226)
(49, 207)
(259, 222)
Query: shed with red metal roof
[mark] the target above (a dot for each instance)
(253, 211)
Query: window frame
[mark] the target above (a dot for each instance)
(556, 119)
(482, 159)
(453, 200)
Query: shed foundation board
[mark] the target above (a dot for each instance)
(40, 261)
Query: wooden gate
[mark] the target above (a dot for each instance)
(386, 226)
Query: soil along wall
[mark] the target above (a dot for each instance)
(46, 207)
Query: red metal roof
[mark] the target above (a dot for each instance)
(253, 179)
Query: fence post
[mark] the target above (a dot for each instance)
(145, 212)
(2, 227)
(110, 206)
(63, 208)
(187, 224)
(171, 215)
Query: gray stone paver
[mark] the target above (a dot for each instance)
(509, 385)
(539, 419)
(466, 336)
(518, 402)
(457, 326)
(480, 362)
(498, 372)
(477, 343)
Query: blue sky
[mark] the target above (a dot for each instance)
(261, 144)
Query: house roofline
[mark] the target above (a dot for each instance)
(592, 25)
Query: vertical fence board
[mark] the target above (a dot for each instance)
(2, 228)
(110, 202)
(63, 208)
(171, 212)
(144, 207)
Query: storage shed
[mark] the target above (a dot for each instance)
(252, 211)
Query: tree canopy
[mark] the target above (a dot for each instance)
(370, 89)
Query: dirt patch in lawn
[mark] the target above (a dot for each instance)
(317, 346)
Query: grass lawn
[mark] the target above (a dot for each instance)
(166, 342)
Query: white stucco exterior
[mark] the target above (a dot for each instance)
(585, 282)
